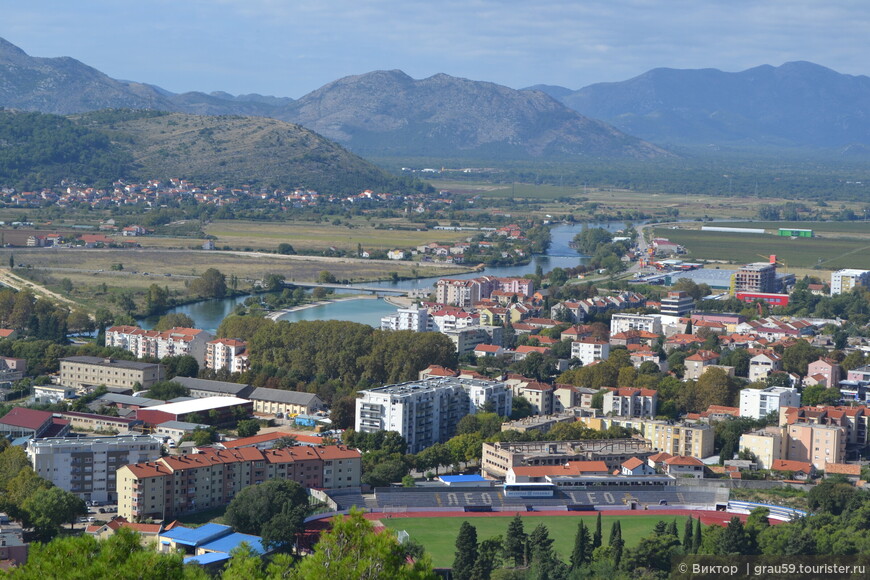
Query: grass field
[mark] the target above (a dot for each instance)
(852, 228)
(824, 253)
(320, 236)
(438, 535)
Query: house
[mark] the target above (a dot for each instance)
(684, 466)
(657, 460)
(695, 364)
(792, 469)
(635, 466)
(488, 350)
(763, 364)
(589, 350)
(825, 372)
(851, 471)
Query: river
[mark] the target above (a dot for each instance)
(209, 313)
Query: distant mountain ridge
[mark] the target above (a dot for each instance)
(383, 113)
(798, 104)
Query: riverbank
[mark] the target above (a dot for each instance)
(279, 313)
(399, 301)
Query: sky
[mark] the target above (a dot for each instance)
(288, 48)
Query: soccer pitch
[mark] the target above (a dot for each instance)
(438, 535)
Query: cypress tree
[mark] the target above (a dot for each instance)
(596, 537)
(515, 542)
(687, 536)
(582, 551)
(672, 528)
(696, 538)
(616, 542)
(466, 552)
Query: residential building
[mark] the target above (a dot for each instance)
(467, 339)
(227, 353)
(458, 292)
(635, 467)
(500, 457)
(851, 471)
(758, 403)
(696, 364)
(823, 372)
(12, 369)
(95, 423)
(50, 394)
(172, 486)
(175, 430)
(88, 372)
(629, 402)
(626, 322)
(414, 318)
(768, 445)
(684, 466)
(764, 363)
(569, 396)
(427, 412)
(794, 469)
(677, 304)
(86, 466)
(757, 277)
(816, 444)
(695, 439)
(202, 388)
(843, 281)
(274, 401)
(152, 343)
(488, 350)
(859, 374)
(589, 350)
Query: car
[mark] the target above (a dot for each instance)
(102, 510)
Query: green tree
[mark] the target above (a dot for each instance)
(326, 277)
(248, 427)
(285, 441)
(466, 552)
(596, 536)
(253, 510)
(49, 508)
(165, 390)
(697, 537)
(733, 540)
(174, 320)
(616, 543)
(515, 542)
(687, 536)
(352, 549)
(156, 300)
(212, 284)
(582, 547)
(286, 249)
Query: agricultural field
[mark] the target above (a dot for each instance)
(817, 253)
(854, 228)
(348, 235)
(438, 535)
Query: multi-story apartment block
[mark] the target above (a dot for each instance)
(172, 486)
(626, 322)
(677, 304)
(628, 402)
(568, 396)
(768, 445)
(411, 318)
(468, 338)
(855, 421)
(457, 292)
(427, 412)
(227, 353)
(764, 363)
(173, 342)
(86, 372)
(859, 374)
(757, 277)
(695, 439)
(757, 403)
(816, 444)
(86, 466)
(589, 350)
(843, 281)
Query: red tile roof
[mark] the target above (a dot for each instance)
(26, 418)
(787, 465)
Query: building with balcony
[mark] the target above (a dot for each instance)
(843, 281)
(86, 466)
(758, 403)
(227, 353)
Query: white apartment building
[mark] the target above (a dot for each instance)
(626, 322)
(757, 403)
(227, 353)
(173, 342)
(589, 350)
(86, 466)
(842, 281)
(629, 402)
(427, 412)
(677, 304)
(762, 364)
(458, 292)
(412, 318)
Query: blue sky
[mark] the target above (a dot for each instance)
(289, 47)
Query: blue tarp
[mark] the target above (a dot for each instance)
(196, 536)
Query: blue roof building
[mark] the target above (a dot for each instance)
(189, 539)
(228, 543)
(465, 480)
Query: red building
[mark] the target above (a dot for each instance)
(772, 299)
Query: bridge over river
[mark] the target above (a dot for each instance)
(351, 287)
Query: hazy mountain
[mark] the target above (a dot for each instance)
(554, 91)
(798, 104)
(387, 113)
(380, 113)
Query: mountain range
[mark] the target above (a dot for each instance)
(389, 114)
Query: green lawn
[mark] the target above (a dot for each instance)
(438, 535)
(739, 248)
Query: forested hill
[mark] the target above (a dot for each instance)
(38, 150)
